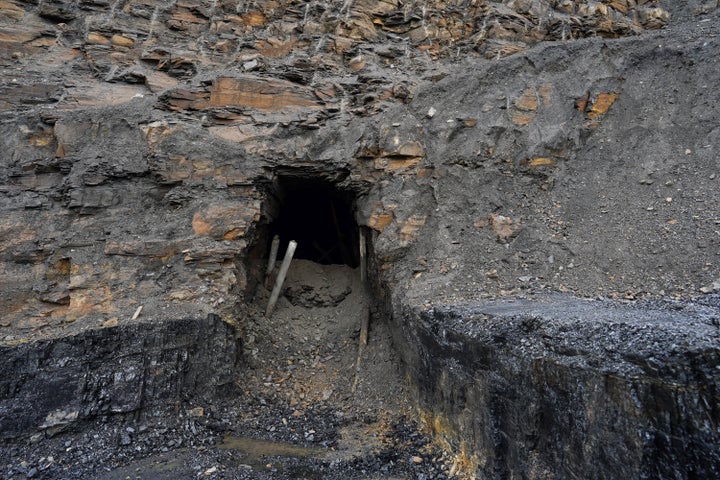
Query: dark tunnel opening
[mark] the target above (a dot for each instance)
(320, 218)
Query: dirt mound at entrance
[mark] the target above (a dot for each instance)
(314, 285)
(313, 349)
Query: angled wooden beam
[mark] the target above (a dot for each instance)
(363, 257)
(281, 277)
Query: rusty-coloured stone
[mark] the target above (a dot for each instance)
(175, 168)
(184, 99)
(392, 164)
(122, 41)
(410, 149)
(545, 91)
(94, 38)
(90, 301)
(41, 139)
(156, 132)
(504, 227)
(182, 19)
(11, 12)
(408, 232)
(619, 5)
(158, 81)
(343, 44)
(522, 118)
(602, 104)
(254, 18)
(653, 18)
(528, 101)
(224, 222)
(380, 220)
(481, 223)
(582, 102)
(541, 162)
(274, 48)
(261, 94)
(112, 322)
(356, 63)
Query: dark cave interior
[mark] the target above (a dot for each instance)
(319, 217)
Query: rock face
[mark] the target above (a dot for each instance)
(489, 149)
(116, 115)
(53, 385)
(553, 386)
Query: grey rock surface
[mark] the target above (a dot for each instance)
(493, 153)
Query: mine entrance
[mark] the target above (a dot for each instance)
(317, 342)
(320, 218)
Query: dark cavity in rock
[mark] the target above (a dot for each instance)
(319, 217)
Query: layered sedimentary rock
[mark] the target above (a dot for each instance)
(492, 149)
(56, 385)
(559, 387)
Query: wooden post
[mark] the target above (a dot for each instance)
(281, 277)
(363, 259)
(272, 259)
(365, 326)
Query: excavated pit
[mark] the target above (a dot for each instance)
(558, 385)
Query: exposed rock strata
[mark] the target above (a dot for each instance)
(50, 386)
(563, 388)
(141, 144)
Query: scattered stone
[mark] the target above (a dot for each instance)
(111, 322)
(196, 412)
(210, 471)
(505, 227)
(125, 439)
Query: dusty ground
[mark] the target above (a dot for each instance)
(309, 346)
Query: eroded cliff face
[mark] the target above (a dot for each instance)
(490, 149)
(556, 387)
(51, 386)
(140, 139)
